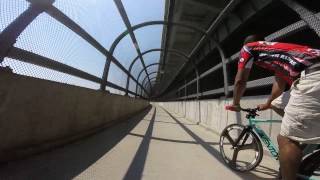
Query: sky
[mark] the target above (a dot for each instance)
(100, 18)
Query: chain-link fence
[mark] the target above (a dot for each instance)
(67, 41)
(299, 23)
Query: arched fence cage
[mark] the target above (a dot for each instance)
(160, 50)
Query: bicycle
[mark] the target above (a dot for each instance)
(247, 139)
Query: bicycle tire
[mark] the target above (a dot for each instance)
(258, 145)
(310, 163)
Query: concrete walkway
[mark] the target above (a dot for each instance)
(153, 145)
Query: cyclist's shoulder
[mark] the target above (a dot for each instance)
(258, 45)
(273, 44)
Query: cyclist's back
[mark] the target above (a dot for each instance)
(286, 60)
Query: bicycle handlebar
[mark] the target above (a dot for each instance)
(248, 110)
(231, 108)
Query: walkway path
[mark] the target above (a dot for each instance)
(154, 145)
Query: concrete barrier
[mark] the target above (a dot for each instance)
(36, 115)
(212, 115)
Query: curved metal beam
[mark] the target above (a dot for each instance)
(144, 80)
(224, 68)
(152, 23)
(180, 53)
(138, 26)
(127, 23)
(153, 81)
(150, 65)
(142, 71)
(177, 52)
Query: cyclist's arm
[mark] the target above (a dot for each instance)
(240, 84)
(278, 87)
(244, 67)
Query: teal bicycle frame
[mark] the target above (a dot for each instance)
(274, 151)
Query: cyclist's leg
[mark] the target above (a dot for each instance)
(290, 157)
(301, 120)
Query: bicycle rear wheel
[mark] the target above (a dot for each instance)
(310, 164)
(245, 155)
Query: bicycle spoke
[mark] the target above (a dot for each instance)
(227, 135)
(248, 146)
(245, 139)
(235, 155)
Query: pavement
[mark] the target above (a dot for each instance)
(154, 145)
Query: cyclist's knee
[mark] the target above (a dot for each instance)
(282, 140)
(287, 144)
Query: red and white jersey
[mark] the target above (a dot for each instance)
(284, 59)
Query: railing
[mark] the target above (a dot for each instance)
(33, 64)
(308, 20)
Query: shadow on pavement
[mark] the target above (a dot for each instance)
(71, 160)
(135, 169)
(172, 140)
(215, 153)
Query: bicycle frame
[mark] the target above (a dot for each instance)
(251, 116)
(274, 151)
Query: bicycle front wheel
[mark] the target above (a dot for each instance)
(246, 154)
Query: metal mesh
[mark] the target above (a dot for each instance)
(117, 76)
(48, 38)
(153, 75)
(152, 57)
(10, 10)
(153, 68)
(136, 68)
(154, 34)
(297, 32)
(136, 8)
(132, 85)
(125, 52)
(143, 75)
(100, 19)
(55, 42)
(30, 70)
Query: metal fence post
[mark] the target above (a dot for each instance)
(224, 69)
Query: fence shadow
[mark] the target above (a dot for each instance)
(71, 160)
(216, 154)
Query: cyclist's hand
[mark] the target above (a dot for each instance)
(263, 107)
(236, 108)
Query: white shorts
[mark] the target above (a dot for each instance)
(281, 101)
(301, 121)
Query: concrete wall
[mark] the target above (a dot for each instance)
(36, 115)
(212, 115)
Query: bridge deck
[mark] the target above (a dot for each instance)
(152, 145)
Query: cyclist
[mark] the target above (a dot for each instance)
(301, 121)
